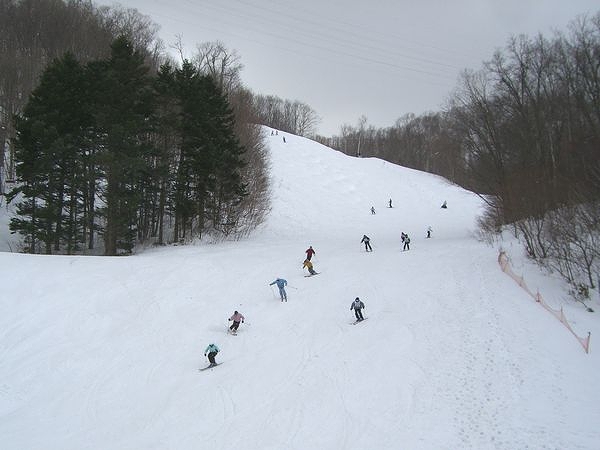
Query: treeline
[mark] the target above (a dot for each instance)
(293, 117)
(112, 150)
(34, 32)
(427, 142)
(524, 132)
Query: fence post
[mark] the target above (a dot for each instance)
(587, 346)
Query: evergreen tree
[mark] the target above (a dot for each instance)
(226, 186)
(123, 109)
(193, 164)
(166, 138)
(47, 148)
(208, 181)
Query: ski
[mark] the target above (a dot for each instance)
(312, 274)
(209, 367)
(358, 321)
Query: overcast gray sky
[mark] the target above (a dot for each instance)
(380, 59)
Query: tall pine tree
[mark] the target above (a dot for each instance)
(124, 108)
(48, 146)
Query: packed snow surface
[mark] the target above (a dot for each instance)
(103, 353)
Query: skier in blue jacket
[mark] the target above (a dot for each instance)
(281, 284)
(212, 351)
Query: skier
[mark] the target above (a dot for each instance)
(309, 266)
(357, 306)
(444, 205)
(372, 210)
(390, 202)
(429, 230)
(309, 253)
(366, 240)
(236, 318)
(406, 243)
(212, 351)
(281, 284)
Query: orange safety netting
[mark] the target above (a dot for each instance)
(503, 261)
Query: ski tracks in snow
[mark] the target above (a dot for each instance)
(480, 402)
(461, 351)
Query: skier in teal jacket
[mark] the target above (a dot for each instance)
(212, 351)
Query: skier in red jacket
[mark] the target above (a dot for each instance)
(309, 253)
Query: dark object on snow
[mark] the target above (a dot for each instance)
(366, 240)
(357, 306)
(406, 243)
(444, 205)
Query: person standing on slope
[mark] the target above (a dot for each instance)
(429, 230)
(212, 351)
(236, 318)
(372, 210)
(357, 306)
(281, 284)
(309, 253)
(307, 264)
(366, 240)
(406, 243)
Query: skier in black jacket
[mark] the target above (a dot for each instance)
(366, 240)
(357, 306)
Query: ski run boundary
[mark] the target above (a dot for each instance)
(505, 266)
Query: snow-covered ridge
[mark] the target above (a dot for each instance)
(317, 188)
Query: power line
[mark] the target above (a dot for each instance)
(228, 19)
(229, 15)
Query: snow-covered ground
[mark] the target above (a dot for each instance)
(103, 353)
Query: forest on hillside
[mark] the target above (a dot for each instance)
(109, 143)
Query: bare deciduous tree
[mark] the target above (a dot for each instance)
(222, 65)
